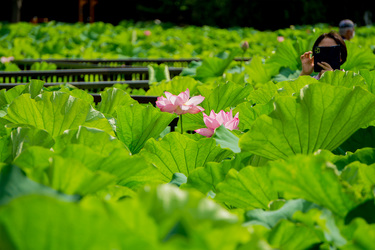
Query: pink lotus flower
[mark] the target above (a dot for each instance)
(147, 33)
(280, 39)
(180, 104)
(6, 59)
(216, 120)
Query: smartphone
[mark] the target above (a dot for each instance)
(330, 55)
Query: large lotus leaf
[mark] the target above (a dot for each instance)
(55, 112)
(361, 177)
(14, 183)
(72, 177)
(132, 171)
(77, 93)
(322, 117)
(286, 56)
(37, 222)
(226, 139)
(96, 139)
(188, 220)
(177, 85)
(67, 175)
(248, 188)
(214, 66)
(270, 218)
(5, 149)
(257, 70)
(248, 113)
(115, 193)
(358, 58)
(364, 155)
(112, 98)
(24, 137)
(34, 161)
(323, 222)
(85, 155)
(346, 79)
(314, 179)
(206, 178)
(369, 77)
(33, 88)
(177, 153)
(137, 123)
(263, 93)
(361, 235)
(223, 96)
(7, 97)
(293, 87)
(289, 235)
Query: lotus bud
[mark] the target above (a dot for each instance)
(245, 46)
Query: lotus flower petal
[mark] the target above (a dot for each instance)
(215, 120)
(180, 104)
(205, 132)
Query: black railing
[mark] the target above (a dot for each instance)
(91, 86)
(81, 75)
(100, 63)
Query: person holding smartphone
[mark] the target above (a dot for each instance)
(329, 52)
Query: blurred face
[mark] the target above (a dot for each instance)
(327, 42)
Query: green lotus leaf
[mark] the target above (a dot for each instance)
(137, 123)
(177, 153)
(14, 183)
(68, 175)
(369, 77)
(304, 237)
(55, 112)
(41, 222)
(257, 70)
(314, 179)
(223, 96)
(248, 188)
(226, 139)
(175, 86)
(96, 139)
(346, 79)
(248, 113)
(187, 219)
(24, 137)
(214, 66)
(270, 218)
(206, 178)
(111, 99)
(322, 117)
(263, 93)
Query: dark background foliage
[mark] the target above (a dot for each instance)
(259, 14)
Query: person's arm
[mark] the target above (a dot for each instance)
(307, 63)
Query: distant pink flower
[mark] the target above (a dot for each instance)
(180, 104)
(6, 59)
(245, 46)
(216, 120)
(147, 33)
(280, 39)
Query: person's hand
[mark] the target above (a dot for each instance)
(307, 63)
(325, 67)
